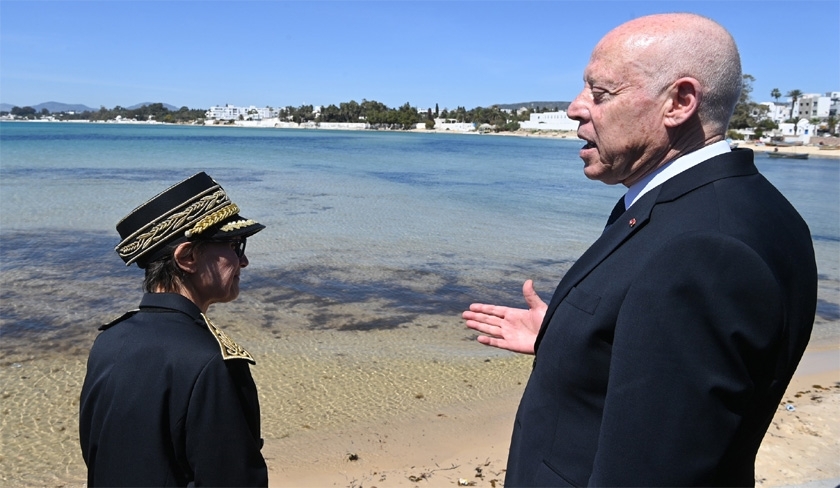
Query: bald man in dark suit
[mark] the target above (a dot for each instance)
(665, 350)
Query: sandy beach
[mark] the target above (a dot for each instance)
(339, 421)
(811, 150)
(466, 445)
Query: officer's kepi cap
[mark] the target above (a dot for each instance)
(195, 209)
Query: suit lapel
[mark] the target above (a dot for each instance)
(622, 229)
(736, 163)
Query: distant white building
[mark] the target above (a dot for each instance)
(808, 106)
(343, 125)
(550, 121)
(777, 112)
(230, 112)
(451, 125)
(834, 109)
(803, 132)
(813, 105)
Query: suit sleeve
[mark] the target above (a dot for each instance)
(693, 344)
(222, 427)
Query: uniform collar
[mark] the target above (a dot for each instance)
(172, 301)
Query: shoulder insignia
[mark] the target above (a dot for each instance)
(230, 349)
(117, 321)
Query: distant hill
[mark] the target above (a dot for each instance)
(55, 107)
(548, 105)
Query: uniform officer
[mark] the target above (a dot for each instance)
(168, 399)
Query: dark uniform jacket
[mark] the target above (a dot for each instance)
(667, 347)
(161, 407)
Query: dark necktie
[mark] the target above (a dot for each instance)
(616, 212)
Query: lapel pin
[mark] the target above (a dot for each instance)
(632, 222)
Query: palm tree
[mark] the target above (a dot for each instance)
(776, 94)
(794, 96)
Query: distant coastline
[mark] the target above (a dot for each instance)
(323, 126)
(759, 148)
(812, 150)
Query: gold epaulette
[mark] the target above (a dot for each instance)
(230, 349)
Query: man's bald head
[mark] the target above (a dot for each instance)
(668, 47)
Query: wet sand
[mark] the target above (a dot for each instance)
(325, 394)
(468, 444)
(376, 421)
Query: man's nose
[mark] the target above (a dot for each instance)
(577, 109)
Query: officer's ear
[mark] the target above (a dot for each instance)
(186, 257)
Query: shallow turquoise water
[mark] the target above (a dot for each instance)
(425, 222)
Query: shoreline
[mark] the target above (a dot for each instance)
(811, 151)
(758, 148)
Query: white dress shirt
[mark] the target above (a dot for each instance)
(675, 167)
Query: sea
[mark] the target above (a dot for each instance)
(411, 222)
(375, 242)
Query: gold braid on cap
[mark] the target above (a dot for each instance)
(212, 219)
(232, 226)
(163, 230)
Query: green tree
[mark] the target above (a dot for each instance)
(331, 113)
(742, 116)
(407, 116)
(794, 97)
(765, 125)
(776, 94)
(24, 112)
(510, 126)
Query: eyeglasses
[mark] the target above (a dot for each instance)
(238, 244)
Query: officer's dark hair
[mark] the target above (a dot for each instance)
(164, 273)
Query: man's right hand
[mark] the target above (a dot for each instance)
(514, 329)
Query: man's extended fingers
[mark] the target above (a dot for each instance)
(481, 307)
(494, 320)
(492, 310)
(481, 326)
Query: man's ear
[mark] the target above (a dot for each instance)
(186, 257)
(683, 101)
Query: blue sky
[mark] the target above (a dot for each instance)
(280, 53)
